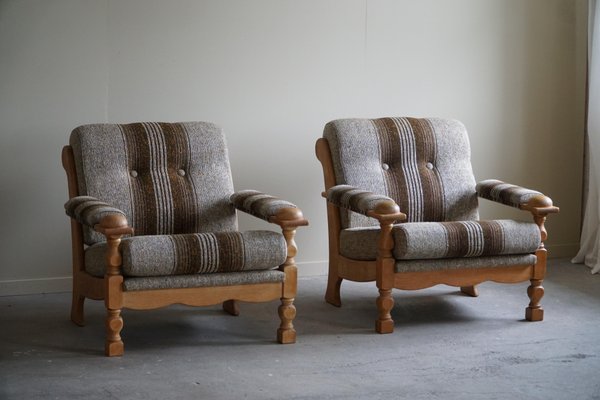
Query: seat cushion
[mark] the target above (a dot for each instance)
(197, 253)
(436, 240)
(205, 280)
(463, 263)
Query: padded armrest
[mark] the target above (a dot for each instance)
(265, 207)
(361, 201)
(511, 195)
(90, 211)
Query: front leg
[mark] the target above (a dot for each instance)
(385, 269)
(113, 227)
(535, 291)
(286, 333)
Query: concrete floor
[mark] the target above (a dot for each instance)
(446, 346)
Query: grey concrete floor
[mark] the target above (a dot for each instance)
(446, 346)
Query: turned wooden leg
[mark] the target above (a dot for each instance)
(113, 300)
(385, 303)
(77, 309)
(287, 312)
(286, 333)
(535, 291)
(231, 307)
(332, 295)
(114, 323)
(385, 270)
(470, 290)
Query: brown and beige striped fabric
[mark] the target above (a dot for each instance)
(258, 204)
(353, 199)
(505, 193)
(434, 240)
(201, 253)
(422, 164)
(89, 210)
(168, 178)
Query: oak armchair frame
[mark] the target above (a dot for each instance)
(382, 269)
(109, 288)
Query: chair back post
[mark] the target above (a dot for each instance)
(334, 224)
(68, 162)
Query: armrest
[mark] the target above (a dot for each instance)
(268, 207)
(515, 196)
(364, 202)
(97, 215)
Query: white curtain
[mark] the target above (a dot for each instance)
(589, 253)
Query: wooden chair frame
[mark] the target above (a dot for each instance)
(115, 298)
(382, 269)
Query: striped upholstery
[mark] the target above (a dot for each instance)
(504, 193)
(258, 204)
(89, 210)
(422, 164)
(202, 253)
(436, 240)
(168, 178)
(353, 199)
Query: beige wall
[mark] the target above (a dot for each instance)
(272, 73)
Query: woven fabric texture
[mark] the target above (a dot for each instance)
(350, 198)
(258, 204)
(201, 253)
(206, 280)
(437, 240)
(168, 178)
(422, 164)
(89, 210)
(441, 264)
(505, 193)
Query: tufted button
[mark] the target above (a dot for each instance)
(429, 165)
(180, 172)
(385, 166)
(133, 173)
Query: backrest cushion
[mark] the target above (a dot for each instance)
(423, 164)
(168, 178)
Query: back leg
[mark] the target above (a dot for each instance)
(470, 290)
(77, 309)
(231, 307)
(332, 295)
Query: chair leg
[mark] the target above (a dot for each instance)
(535, 291)
(286, 333)
(231, 307)
(114, 323)
(332, 295)
(385, 303)
(470, 290)
(77, 309)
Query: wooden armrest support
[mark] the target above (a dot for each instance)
(289, 217)
(113, 225)
(387, 211)
(540, 205)
(384, 211)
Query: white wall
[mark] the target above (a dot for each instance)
(272, 73)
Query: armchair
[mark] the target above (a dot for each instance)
(153, 223)
(402, 210)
